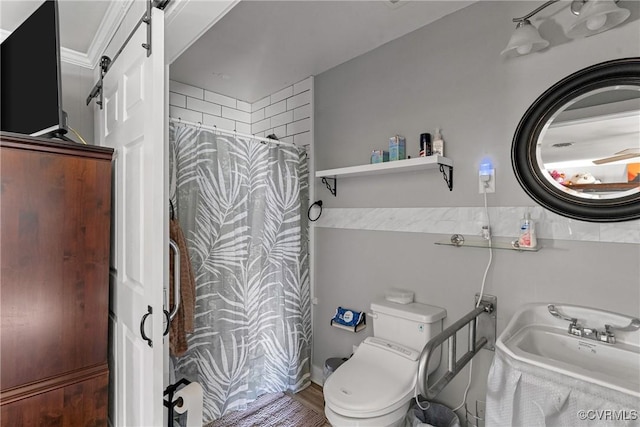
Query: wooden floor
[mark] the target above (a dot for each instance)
(312, 398)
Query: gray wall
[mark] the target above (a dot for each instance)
(77, 82)
(449, 74)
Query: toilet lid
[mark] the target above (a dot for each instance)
(375, 381)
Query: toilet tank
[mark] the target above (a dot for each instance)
(411, 325)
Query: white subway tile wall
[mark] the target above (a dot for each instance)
(256, 116)
(282, 94)
(299, 126)
(244, 106)
(277, 108)
(177, 100)
(302, 86)
(203, 106)
(237, 115)
(259, 127)
(197, 105)
(286, 113)
(219, 122)
(243, 128)
(302, 112)
(220, 99)
(258, 105)
(181, 88)
(282, 119)
(184, 114)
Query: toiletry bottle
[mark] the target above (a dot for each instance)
(438, 144)
(527, 237)
(425, 145)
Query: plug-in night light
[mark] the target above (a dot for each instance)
(486, 167)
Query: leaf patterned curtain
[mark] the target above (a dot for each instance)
(242, 206)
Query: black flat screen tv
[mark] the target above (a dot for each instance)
(30, 85)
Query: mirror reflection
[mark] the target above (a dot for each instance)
(590, 148)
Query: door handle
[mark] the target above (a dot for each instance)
(176, 279)
(142, 322)
(166, 329)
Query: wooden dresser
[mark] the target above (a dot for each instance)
(55, 204)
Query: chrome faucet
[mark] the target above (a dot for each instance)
(609, 335)
(606, 336)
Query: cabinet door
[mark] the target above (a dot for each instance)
(54, 266)
(76, 405)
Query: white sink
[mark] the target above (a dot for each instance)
(535, 336)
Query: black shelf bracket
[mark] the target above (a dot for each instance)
(447, 175)
(333, 189)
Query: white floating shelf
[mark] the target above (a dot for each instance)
(408, 165)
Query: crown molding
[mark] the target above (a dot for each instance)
(66, 55)
(74, 57)
(108, 27)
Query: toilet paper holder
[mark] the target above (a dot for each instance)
(169, 403)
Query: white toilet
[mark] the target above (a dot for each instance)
(375, 386)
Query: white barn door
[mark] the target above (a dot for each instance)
(132, 122)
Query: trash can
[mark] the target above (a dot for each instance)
(434, 414)
(331, 364)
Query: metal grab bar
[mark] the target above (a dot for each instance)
(176, 279)
(455, 366)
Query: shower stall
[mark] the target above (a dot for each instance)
(241, 202)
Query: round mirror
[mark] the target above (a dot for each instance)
(576, 151)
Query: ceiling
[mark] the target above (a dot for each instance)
(604, 123)
(258, 47)
(79, 19)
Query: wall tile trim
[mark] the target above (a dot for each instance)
(469, 220)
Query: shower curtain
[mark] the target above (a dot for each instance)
(242, 205)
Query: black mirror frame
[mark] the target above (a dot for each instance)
(624, 71)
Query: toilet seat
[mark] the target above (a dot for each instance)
(378, 379)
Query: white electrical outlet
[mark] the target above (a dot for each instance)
(489, 183)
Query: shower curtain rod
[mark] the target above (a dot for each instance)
(232, 132)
